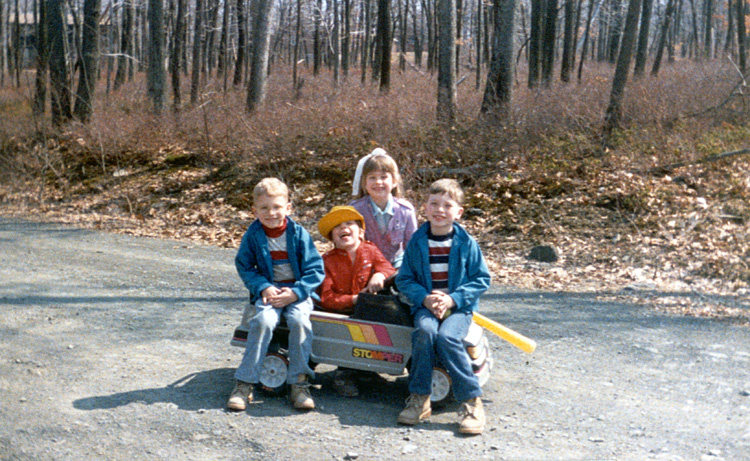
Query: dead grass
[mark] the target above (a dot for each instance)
(540, 176)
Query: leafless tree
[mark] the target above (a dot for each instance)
(663, 36)
(256, 93)
(126, 43)
(614, 110)
(643, 34)
(155, 75)
(741, 34)
(58, 66)
(89, 60)
(499, 89)
(178, 42)
(446, 94)
(42, 57)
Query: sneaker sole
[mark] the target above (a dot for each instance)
(411, 422)
(236, 407)
(471, 431)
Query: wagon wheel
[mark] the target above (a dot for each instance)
(441, 387)
(275, 371)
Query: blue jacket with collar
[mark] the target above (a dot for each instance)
(468, 274)
(254, 265)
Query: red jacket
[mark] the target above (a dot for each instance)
(344, 280)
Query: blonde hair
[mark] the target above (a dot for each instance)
(271, 187)
(384, 163)
(450, 187)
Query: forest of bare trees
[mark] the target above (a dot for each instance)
(66, 46)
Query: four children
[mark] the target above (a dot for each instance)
(442, 273)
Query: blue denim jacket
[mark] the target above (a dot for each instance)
(254, 265)
(468, 274)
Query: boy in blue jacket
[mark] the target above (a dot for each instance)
(443, 275)
(281, 267)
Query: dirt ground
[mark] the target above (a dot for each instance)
(117, 347)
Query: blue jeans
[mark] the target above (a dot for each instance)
(260, 332)
(433, 339)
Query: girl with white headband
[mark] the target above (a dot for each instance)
(390, 220)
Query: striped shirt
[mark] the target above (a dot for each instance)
(282, 267)
(440, 248)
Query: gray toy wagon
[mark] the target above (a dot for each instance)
(379, 346)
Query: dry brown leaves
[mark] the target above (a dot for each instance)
(678, 243)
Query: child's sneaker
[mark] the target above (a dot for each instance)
(471, 417)
(241, 396)
(300, 396)
(417, 409)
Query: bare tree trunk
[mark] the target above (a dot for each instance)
(17, 45)
(89, 60)
(223, 66)
(155, 75)
(586, 38)
(548, 42)
(614, 110)
(741, 32)
(615, 31)
(198, 37)
(335, 42)
(695, 26)
(535, 42)
(446, 95)
(459, 7)
(346, 39)
(297, 37)
(212, 29)
(316, 37)
(384, 44)
(366, 40)
(431, 32)
(416, 23)
(403, 24)
(178, 41)
(239, 64)
(42, 57)
(731, 21)
(663, 36)
(478, 40)
(642, 50)
(568, 41)
(499, 90)
(60, 92)
(256, 93)
(126, 50)
(3, 48)
(708, 30)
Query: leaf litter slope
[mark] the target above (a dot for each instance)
(654, 238)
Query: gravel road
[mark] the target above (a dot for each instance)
(115, 347)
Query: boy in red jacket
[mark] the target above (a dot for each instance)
(353, 266)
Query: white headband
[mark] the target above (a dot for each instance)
(378, 152)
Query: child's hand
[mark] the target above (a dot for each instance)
(438, 303)
(268, 293)
(280, 297)
(376, 283)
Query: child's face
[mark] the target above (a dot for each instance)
(347, 235)
(378, 185)
(272, 210)
(442, 211)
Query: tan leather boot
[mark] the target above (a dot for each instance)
(471, 417)
(241, 396)
(299, 394)
(417, 409)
